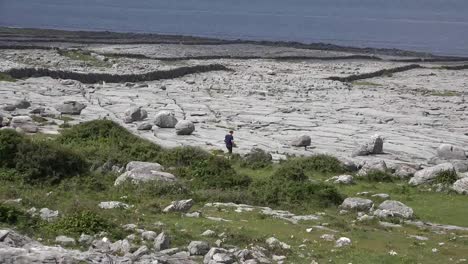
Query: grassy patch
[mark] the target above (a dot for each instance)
(444, 93)
(85, 57)
(6, 78)
(364, 83)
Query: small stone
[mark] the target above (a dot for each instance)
(161, 242)
(209, 233)
(342, 242)
(198, 248)
(65, 241)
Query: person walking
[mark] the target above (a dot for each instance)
(229, 140)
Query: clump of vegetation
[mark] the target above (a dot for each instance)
(6, 77)
(39, 119)
(86, 222)
(378, 176)
(256, 159)
(13, 216)
(104, 140)
(38, 161)
(85, 57)
(290, 185)
(447, 177)
(217, 172)
(318, 163)
(445, 93)
(183, 156)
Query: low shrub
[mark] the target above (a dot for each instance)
(182, 156)
(11, 215)
(86, 222)
(290, 185)
(103, 140)
(256, 159)
(318, 163)
(378, 176)
(217, 172)
(47, 162)
(447, 177)
(9, 141)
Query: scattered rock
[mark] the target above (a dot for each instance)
(85, 239)
(70, 107)
(22, 104)
(449, 152)
(381, 196)
(113, 205)
(135, 113)
(149, 235)
(343, 242)
(24, 124)
(48, 215)
(374, 146)
(179, 206)
(357, 204)
(302, 141)
(165, 119)
(404, 171)
(184, 127)
(65, 241)
(342, 179)
(209, 233)
(391, 208)
(198, 248)
(275, 243)
(120, 247)
(9, 108)
(162, 241)
(427, 175)
(145, 126)
(461, 186)
(140, 172)
(328, 237)
(370, 166)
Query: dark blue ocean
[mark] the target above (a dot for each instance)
(437, 26)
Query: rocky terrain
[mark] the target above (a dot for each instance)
(409, 123)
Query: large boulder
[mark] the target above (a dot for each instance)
(135, 114)
(391, 208)
(461, 186)
(165, 119)
(302, 141)
(449, 152)
(198, 248)
(428, 175)
(162, 242)
(179, 206)
(22, 104)
(357, 204)
(184, 127)
(70, 108)
(140, 172)
(24, 124)
(342, 179)
(373, 146)
(370, 166)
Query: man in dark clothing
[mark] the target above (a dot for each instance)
(229, 140)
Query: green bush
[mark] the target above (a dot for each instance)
(9, 141)
(11, 215)
(256, 159)
(47, 162)
(217, 172)
(182, 156)
(103, 140)
(322, 163)
(447, 177)
(290, 185)
(81, 222)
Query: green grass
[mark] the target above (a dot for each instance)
(365, 83)
(444, 93)
(77, 200)
(85, 57)
(6, 78)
